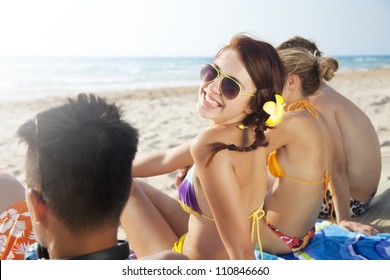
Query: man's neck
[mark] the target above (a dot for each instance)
(67, 245)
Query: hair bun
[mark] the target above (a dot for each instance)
(328, 67)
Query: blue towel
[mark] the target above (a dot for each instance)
(331, 242)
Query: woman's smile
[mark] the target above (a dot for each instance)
(209, 101)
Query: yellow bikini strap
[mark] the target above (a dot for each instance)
(255, 217)
(192, 212)
(303, 104)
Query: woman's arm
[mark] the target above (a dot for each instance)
(280, 135)
(163, 162)
(11, 190)
(224, 197)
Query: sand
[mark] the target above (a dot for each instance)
(167, 117)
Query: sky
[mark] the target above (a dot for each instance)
(187, 27)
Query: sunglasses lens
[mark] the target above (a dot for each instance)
(208, 73)
(230, 89)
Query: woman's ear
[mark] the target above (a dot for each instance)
(292, 82)
(37, 206)
(248, 110)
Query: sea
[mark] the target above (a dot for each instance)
(25, 78)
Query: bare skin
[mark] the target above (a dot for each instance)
(292, 206)
(12, 191)
(354, 174)
(63, 243)
(230, 189)
(357, 158)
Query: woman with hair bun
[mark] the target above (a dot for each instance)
(357, 158)
(300, 157)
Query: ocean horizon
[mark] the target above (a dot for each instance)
(38, 77)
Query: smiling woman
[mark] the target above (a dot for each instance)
(228, 179)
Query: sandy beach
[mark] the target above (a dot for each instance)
(167, 117)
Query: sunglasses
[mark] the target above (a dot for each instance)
(229, 87)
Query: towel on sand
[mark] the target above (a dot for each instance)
(331, 242)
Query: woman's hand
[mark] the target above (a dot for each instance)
(181, 174)
(358, 227)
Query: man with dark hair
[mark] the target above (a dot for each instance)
(78, 174)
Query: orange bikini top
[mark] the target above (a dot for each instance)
(277, 171)
(304, 104)
(274, 167)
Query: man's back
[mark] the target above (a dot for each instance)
(359, 139)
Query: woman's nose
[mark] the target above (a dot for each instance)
(215, 87)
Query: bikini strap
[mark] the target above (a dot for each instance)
(190, 211)
(306, 182)
(303, 104)
(255, 217)
(327, 181)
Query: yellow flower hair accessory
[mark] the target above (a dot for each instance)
(275, 110)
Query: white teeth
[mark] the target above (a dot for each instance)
(210, 101)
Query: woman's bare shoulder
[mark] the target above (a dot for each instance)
(201, 146)
(203, 140)
(296, 119)
(300, 123)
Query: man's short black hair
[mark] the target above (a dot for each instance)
(79, 157)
